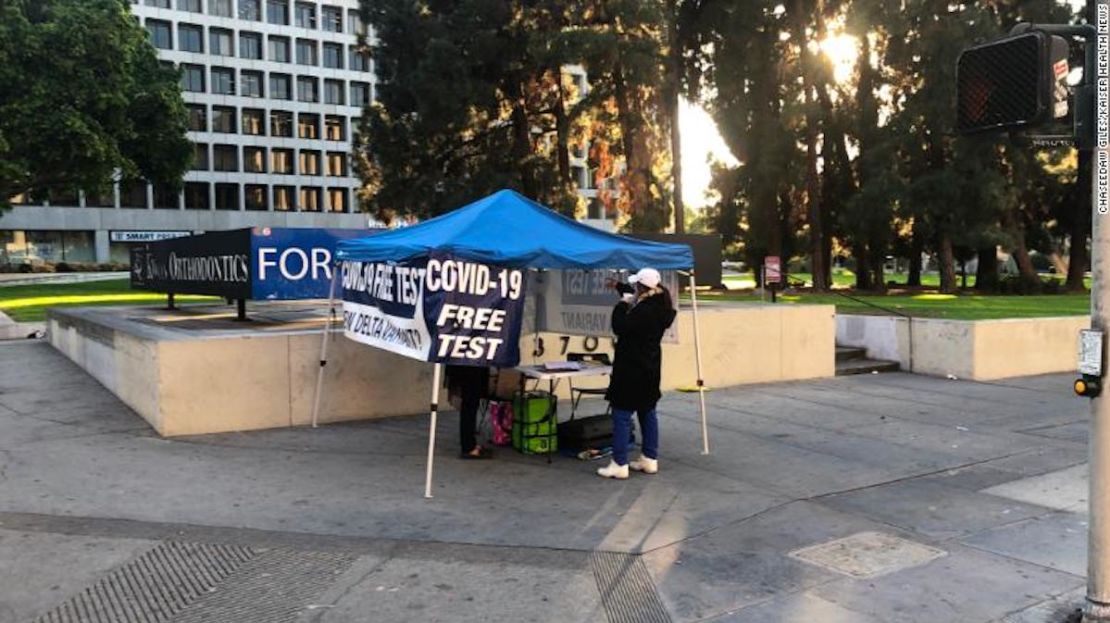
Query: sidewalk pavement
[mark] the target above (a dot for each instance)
(888, 497)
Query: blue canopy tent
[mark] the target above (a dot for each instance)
(508, 229)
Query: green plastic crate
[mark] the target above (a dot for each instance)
(534, 423)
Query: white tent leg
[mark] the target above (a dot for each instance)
(324, 346)
(697, 358)
(432, 429)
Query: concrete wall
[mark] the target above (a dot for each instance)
(221, 381)
(971, 349)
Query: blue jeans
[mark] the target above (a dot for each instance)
(649, 428)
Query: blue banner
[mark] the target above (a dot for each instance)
(289, 264)
(439, 309)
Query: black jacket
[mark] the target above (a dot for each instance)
(638, 357)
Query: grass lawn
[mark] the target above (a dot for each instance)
(28, 303)
(931, 305)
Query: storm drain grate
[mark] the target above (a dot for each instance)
(627, 591)
(274, 587)
(154, 587)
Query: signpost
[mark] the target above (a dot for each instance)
(772, 273)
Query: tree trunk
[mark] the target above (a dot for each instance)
(562, 130)
(877, 261)
(917, 249)
(1024, 262)
(986, 273)
(1080, 227)
(947, 265)
(674, 93)
(813, 181)
(863, 267)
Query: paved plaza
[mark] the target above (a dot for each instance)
(889, 497)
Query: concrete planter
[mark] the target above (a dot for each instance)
(190, 382)
(968, 349)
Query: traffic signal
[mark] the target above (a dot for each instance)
(1016, 82)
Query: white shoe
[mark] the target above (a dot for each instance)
(612, 470)
(645, 465)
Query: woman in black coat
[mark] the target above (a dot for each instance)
(639, 322)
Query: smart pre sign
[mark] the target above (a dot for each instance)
(261, 263)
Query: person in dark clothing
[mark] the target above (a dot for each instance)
(645, 312)
(471, 384)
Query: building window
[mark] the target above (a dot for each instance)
(250, 45)
(277, 12)
(308, 126)
(100, 197)
(132, 194)
(223, 119)
(196, 196)
(360, 94)
(283, 198)
(280, 89)
(190, 38)
(166, 199)
(333, 92)
(200, 157)
(198, 117)
(160, 34)
(281, 161)
(192, 78)
(307, 89)
(250, 83)
(332, 18)
(333, 128)
(310, 162)
(305, 15)
(333, 56)
(337, 199)
(161, 4)
(281, 123)
(223, 81)
(192, 6)
(254, 159)
(227, 196)
(279, 49)
(306, 52)
(64, 197)
(225, 158)
(250, 10)
(360, 61)
(254, 121)
(354, 23)
(310, 199)
(254, 196)
(219, 42)
(337, 164)
(221, 8)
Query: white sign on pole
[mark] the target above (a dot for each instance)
(1090, 352)
(772, 269)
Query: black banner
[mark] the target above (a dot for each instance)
(216, 263)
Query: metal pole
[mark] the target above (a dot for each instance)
(324, 346)
(697, 359)
(1098, 543)
(432, 429)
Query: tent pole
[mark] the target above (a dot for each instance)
(432, 429)
(324, 345)
(697, 358)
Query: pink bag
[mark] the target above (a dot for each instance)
(501, 421)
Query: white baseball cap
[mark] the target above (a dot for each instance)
(647, 277)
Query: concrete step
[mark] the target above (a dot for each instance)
(848, 353)
(865, 366)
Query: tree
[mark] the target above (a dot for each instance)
(84, 99)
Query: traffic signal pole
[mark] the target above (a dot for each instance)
(1098, 540)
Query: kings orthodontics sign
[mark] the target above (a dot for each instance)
(261, 264)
